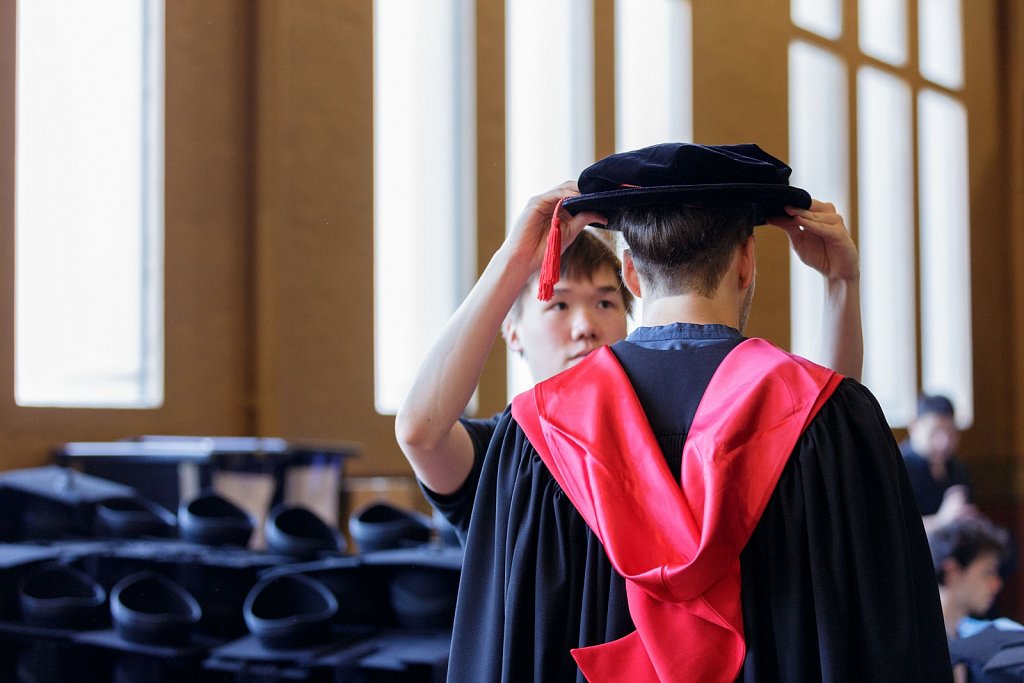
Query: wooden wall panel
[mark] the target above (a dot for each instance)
(988, 446)
(314, 229)
(490, 164)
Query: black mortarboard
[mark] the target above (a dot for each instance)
(676, 173)
(679, 172)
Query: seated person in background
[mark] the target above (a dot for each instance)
(966, 554)
(939, 479)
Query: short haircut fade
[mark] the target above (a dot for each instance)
(684, 248)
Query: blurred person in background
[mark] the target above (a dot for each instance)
(939, 478)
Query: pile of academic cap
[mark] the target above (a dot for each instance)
(98, 582)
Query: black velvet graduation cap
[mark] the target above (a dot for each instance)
(674, 173)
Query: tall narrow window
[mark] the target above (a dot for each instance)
(549, 107)
(424, 250)
(885, 151)
(818, 134)
(883, 30)
(653, 105)
(941, 42)
(89, 204)
(946, 345)
(913, 232)
(824, 17)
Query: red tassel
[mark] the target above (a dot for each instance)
(552, 265)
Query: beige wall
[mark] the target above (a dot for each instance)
(269, 217)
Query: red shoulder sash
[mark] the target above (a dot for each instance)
(677, 546)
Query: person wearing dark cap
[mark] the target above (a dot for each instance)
(940, 480)
(689, 504)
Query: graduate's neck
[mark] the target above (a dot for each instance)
(728, 305)
(690, 308)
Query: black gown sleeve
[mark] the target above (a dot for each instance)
(837, 578)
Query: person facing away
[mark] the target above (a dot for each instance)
(939, 479)
(609, 535)
(967, 554)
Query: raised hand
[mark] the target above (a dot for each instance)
(821, 240)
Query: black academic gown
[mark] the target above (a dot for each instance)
(837, 582)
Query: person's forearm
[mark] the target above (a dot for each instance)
(841, 339)
(427, 423)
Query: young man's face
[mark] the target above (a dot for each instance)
(976, 586)
(582, 316)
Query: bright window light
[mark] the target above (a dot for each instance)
(883, 30)
(886, 230)
(946, 348)
(89, 204)
(549, 107)
(424, 226)
(824, 17)
(819, 140)
(941, 42)
(653, 105)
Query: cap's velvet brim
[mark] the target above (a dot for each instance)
(770, 199)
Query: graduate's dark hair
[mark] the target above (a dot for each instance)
(965, 540)
(684, 248)
(587, 254)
